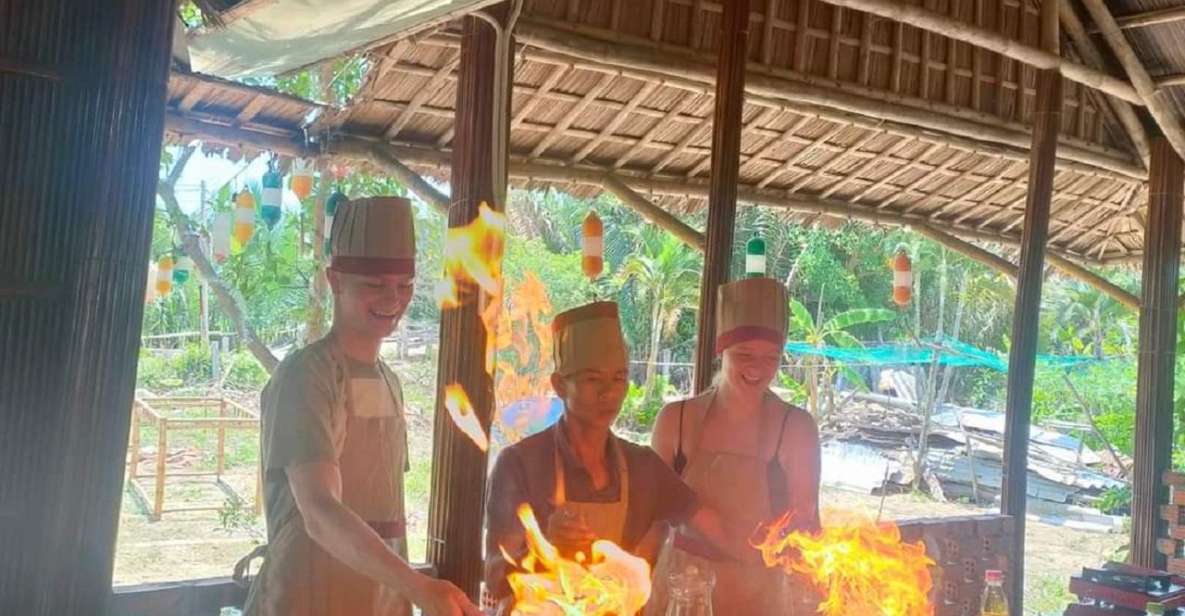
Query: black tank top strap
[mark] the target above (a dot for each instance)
(680, 460)
(775, 475)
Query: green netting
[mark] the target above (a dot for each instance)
(946, 351)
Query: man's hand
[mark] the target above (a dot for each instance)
(569, 532)
(441, 598)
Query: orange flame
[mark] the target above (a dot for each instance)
(473, 256)
(860, 566)
(523, 344)
(612, 583)
(460, 409)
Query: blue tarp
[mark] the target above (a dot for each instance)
(948, 351)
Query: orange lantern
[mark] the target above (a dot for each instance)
(592, 243)
(302, 179)
(902, 278)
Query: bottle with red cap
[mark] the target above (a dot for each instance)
(995, 603)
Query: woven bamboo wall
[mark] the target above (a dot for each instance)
(82, 89)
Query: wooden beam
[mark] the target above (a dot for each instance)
(1022, 356)
(653, 213)
(1091, 53)
(1162, 109)
(722, 191)
(1149, 18)
(412, 180)
(1075, 270)
(455, 511)
(1158, 341)
(804, 94)
(969, 250)
(1037, 57)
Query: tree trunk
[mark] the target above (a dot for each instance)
(655, 340)
(319, 289)
(230, 303)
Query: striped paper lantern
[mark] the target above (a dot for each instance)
(220, 233)
(272, 196)
(244, 226)
(592, 244)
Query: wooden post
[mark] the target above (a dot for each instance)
(458, 467)
(726, 162)
(134, 447)
(1158, 341)
(82, 96)
(1022, 357)
(162, 449)
(221, 438)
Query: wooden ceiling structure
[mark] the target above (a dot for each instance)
(1050, 126)
(847, 114)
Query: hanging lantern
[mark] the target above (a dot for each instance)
(244, 226)
(302, 179)
(331, 204)
(592, 243)
(902, 278)
(273, 195)
(181, 269)
(164, 276)
(220, 235)
(755, 258)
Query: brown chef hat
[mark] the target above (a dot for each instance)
(588, 337)
(374, 236)
(751, 309)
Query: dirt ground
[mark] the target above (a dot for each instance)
(189, 545)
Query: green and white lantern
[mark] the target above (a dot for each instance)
(755, 258)
(181, 270)
(334, 200)
(272, 196)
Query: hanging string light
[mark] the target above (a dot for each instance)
(164, 275)
(244, 226)
(272, 196)
(755, 258)
(902, 278)
(302, 179)
(220, 235)
(592, 244)
(181, 269)
(331, 204)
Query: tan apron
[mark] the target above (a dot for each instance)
(737, 487)
(298, 578)
(606, 520)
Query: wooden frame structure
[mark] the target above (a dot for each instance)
(153, 411)
(919, 113)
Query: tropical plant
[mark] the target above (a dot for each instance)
(834, 331)
(666, 273)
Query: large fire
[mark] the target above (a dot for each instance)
(611, 582)
(473, 258)
(858, 565)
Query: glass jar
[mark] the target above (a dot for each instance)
(691, 592)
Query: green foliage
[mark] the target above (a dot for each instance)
(1109, 386)
(193, 365)
(643, 403)
(236, 515)
(1116, 500)
(243, 372)
(156, 373)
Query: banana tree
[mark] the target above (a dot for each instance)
(835, 332)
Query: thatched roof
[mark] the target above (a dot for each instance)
(859, 117)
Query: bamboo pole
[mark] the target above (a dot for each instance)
(1022, 357)
(1158, 340)
(1159, 106)
(797, 93)
(1149, 18)
(162, 448)
(412, 180)
(1094, 56)
(971, 251)
(1043, 58)
(1075, 270)
(459, 468)
(722, 189)
(653, 213)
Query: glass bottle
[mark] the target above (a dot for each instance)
(1154, 609)
(995, 603)
(691, 592)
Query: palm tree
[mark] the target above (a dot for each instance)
(667, 275)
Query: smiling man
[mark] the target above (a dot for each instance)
(582, 480)
(334, 443)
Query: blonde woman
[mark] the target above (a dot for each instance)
(744, 451)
